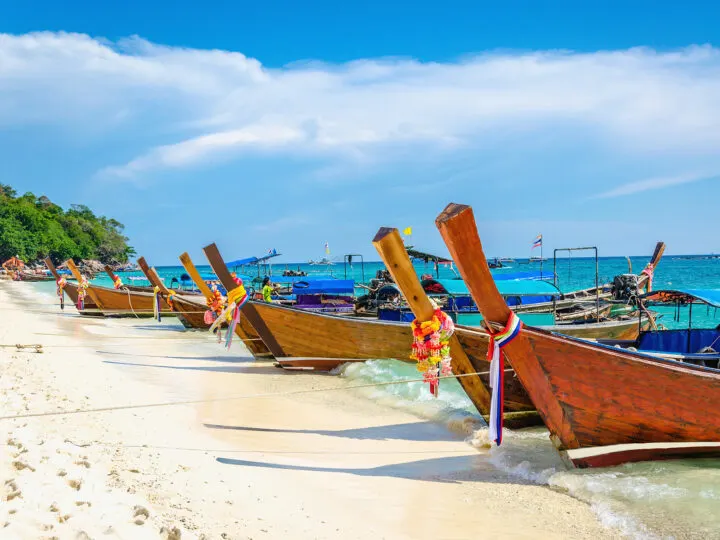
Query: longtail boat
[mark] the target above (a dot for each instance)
(303, 339)
(116, 280)
(590, 396)
(120, 302)
(188, 307)
(71, 289)
(244, 330)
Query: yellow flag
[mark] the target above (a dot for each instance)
(407, 231)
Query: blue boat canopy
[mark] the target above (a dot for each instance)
(242, 262)
(710, 297)
(253, 260)
(457, 287)
(324, 286)
(499, 275)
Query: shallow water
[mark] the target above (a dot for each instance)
(674, 499)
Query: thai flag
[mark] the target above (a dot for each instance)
(537, 242)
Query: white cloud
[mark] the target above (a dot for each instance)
(183, 107)
(650, 184)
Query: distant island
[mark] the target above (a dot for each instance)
(32, 228)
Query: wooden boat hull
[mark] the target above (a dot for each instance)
(90, 309)
(191, 314)
(324, 342)
(590, 395)
(125, 303)
(613, 329)
(613, 397)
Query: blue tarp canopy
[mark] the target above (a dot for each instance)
(457, 287)
(685, 296)
(529, 274)
(253, 260)
(242, 262)
(324, 286)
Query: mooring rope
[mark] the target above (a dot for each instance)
(227, 398)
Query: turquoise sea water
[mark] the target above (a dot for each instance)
(674, 499)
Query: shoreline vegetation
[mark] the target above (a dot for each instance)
(32, 228)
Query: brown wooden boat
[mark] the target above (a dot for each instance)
(189, 308)
(244, 330)
(589, 395)
(121, 302)
(71, 290)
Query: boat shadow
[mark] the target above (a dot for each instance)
(410, 431)
(209, 369)
(446, 470)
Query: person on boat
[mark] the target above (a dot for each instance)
(267, 290)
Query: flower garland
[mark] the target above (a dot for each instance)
(82, 292)
(236, 299)
(61, 283)
(169, 299)
(215, 306)
(431, 348)
(117, 282)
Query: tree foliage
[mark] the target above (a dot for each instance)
(34, 227)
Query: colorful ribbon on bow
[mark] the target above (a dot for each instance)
(431, 348)
(61, 283)
(497, 373)
(117, 283)
(649, 271)
(156, 303)
(82, 292)
(236, 299)
(169, 299)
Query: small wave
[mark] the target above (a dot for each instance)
(452, 407)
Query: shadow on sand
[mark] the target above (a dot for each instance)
(452, 470)
(411, 431)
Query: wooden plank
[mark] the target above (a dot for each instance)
(391, 248)
(218, 265)
(457, 227)
(195, 276)
(152, 275)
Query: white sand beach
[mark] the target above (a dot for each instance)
(316, 465)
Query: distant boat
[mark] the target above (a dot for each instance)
(321, 262)
(325, 261)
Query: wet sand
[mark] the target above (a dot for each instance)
(319, 465)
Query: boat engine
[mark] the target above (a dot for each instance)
(625, 287)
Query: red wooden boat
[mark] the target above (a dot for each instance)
(589, 395)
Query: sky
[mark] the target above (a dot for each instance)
(289, 124)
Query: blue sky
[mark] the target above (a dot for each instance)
(288, 124)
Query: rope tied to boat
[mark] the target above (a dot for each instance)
(499, 340)
(431, 348)
(61, 283)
